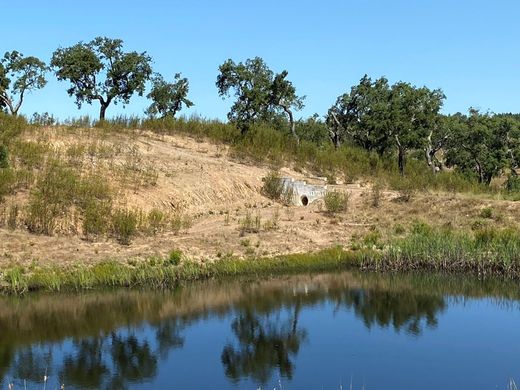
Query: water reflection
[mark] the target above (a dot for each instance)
(115, 339)
(263, 344)
(402, 311)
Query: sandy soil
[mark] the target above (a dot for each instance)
(199, 179)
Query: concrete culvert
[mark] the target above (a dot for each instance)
(305, 200)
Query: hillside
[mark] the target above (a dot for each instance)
(201, 194)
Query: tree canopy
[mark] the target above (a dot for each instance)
(18, 76)
(260, 94)
(379, 117)
(168, 98)
(101, 70)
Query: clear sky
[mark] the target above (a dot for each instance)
(469, 48)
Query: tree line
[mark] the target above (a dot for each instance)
(397, 120)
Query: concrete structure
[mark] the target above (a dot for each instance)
(303, 193)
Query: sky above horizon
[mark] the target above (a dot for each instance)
(469, 49)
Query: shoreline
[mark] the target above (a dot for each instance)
(490, 253)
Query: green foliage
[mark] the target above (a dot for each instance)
(57, 190)
(380, 117)
(44, 119)
(336, 201)
(96, 217)
(175, 257)
(512, 183)
(19, 75)
(4, 157)
(273, 186)
(156, 221)
(480, 146)
(124, 225)
(10, 127)
(84, 64)
(7, 181)
(486, 212)
(168, 98)
(261, 95)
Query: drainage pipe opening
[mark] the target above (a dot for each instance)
(304, 200)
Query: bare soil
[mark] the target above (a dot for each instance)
(201, 180)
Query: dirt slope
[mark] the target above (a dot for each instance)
(200, 180)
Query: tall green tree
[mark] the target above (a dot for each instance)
(101, 70)
(260, 94)
(479, 146)
(168, 98)
(413, 113)
(19, 75)
(283, 96)
(361, 115)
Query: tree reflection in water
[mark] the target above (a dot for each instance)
(266, 330)
(265, 343)
(403, 310)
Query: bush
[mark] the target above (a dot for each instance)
(486, 212)
(273, 187)
(175, 256)
(124, 225)
(96, 218)
(10, 127)
(336, 201)
(4, 157)
(512, 183)
(156, 221)
(7, 181)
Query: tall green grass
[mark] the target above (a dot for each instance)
(486, 251)
(167, 272)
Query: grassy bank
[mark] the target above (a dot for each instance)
(485, 252)
(163, 273)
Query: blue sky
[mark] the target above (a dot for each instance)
(470, 49)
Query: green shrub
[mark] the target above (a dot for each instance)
(512, 183)
(124, 225)
(336, 201)
(4, 157)
(486, 212)
(96, 218)
(10, 127)
(7, 181)
(175, 257)
(273, 186)
(156, 221)
(12, 217)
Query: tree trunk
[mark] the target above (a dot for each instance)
(293, 125)
(400, 160)
(334, 138)
(102, 111)
(400, 155)
(430, 153)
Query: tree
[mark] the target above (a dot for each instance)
(480, 146)
(18, 76)
(84, 64)
(361, 114)
(260, 94)
(168, 98)
(283, 95)
(379, 117)
(439, 136)
(413, 113)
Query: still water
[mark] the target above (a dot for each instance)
(327, 331)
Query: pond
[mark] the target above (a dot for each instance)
(320, 331)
